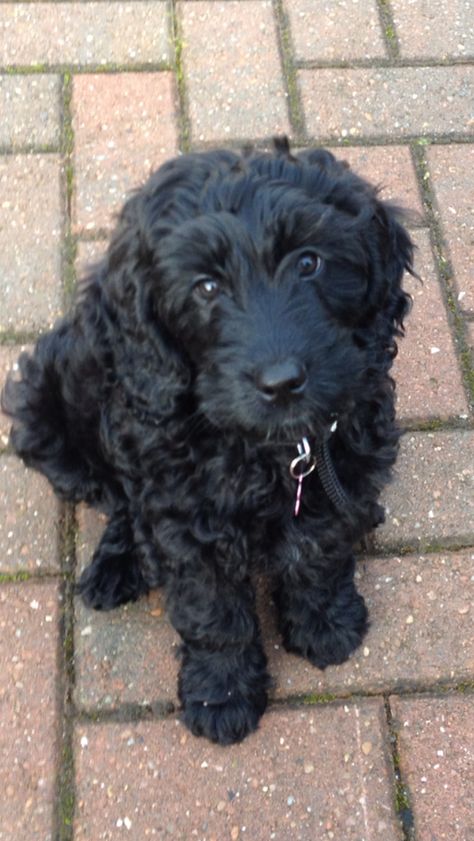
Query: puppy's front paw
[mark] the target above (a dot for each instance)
(224, 723)
(221, 698)
(328, 637)
(109, 582)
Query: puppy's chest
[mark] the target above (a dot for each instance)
(252, 482)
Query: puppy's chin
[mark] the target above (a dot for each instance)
(270, 427)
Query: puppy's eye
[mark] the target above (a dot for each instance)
(309, 264)
(207, 288)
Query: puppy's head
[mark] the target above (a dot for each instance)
(276, 277)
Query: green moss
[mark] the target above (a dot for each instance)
(66, 800)
(9, 577)
(317, 698)
(184, 127)
(13, 338)
(432, 425)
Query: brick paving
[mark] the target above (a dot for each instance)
(29, 726)
(92, 97)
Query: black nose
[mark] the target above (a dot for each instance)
(282, 380)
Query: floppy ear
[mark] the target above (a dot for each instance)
(145, 358)
(395, 257)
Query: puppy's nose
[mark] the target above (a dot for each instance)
(282, 380)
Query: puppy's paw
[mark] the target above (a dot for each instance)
(328, 638)
(223, 696)
(111, 581)
(224, 723)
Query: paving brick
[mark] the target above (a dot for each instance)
(437, 29)
(436, 748)
(29, 106)
(28, 526)
(28, 713)
(452, 172)
(88, 254)
(431, 499)
(127, 655)
(326, 31)
(390, 168)
(232, 70)
(429, 382)
(470, 337)
(83, 33)
(8, 359)
(30, 281)
(420, 635)
(388, 101)
(124, 128)
(317, 773)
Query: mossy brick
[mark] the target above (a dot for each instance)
(426, 370)
(435, 738)
(451, 171)
(84, 33)
(314, 773)
(29, 726)
(391, 102)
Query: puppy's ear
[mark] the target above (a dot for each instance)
(151, 365)
(395, 257)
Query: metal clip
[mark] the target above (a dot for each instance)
(300, 467)
(305, 463)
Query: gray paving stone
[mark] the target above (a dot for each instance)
(388, 101)
(326, 31)
(29, 106)
(432, 496)
(30, 241)
(232, 70)
(438, 29)
(83, 33)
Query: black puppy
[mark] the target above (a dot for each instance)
(221, 390)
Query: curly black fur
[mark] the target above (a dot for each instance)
(244, 302)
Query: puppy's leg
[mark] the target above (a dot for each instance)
(321, 615)
(223, 679)
(114, 576)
